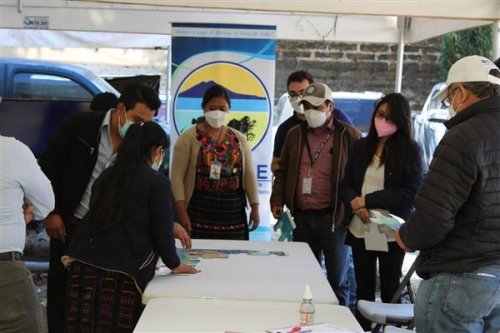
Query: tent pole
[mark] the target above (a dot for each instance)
(496, 40)
(401, 50)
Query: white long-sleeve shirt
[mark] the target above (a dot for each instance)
(21, 181)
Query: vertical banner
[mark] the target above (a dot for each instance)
(242, 59)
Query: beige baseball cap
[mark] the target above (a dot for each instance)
(316, 94)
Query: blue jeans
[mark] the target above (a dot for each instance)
(316, 230)
(460, 302)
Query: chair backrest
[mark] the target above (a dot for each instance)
(405, 283)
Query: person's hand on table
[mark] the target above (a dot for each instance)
(183, 268)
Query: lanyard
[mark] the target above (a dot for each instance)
(325, 140)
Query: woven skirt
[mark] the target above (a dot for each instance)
(218, 215)
(101, 301)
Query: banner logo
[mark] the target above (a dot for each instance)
(250, 101)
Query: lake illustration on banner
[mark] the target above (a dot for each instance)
(250, 103)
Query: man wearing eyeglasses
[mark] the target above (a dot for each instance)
(81, 148)
(296, 83)
(456, 223)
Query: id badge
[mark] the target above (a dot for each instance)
(215, 168)
(307, 185)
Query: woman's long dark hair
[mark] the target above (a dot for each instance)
(397, 144)
(108, 203)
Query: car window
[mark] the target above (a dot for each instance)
(359, 110)
(34, 86)
(435, 103)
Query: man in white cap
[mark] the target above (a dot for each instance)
(311, 166)
(456, 223)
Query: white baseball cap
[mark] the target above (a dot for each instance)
(470, 69)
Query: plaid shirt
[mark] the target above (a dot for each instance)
(320, 172)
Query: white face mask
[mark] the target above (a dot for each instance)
(156, 165)
(216, 118)
(451, 111)
(315, 118)
(299, 108)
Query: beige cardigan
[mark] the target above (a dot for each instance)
(183, 169)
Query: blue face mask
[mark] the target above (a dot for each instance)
(124, 128)
(155, 166)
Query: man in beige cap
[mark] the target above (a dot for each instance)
(311, 167)
(456, 223)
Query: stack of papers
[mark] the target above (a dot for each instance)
(381, 218)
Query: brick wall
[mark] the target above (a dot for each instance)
(361, 66)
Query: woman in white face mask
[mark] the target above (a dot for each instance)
(213, 176)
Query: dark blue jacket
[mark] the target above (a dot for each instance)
(400, 183)
(132, 245)
(70, 158)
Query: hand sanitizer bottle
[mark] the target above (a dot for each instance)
(306, 309)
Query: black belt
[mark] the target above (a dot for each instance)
(317, 212)
(10, 256)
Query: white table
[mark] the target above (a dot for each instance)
(206, 315)
(298, 252)
(247, 277)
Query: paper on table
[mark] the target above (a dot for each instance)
(320, 327)
(375, 240)
(390, 220)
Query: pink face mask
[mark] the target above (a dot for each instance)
(384, 127)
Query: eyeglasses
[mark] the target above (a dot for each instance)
(295, 94)
(447, 100)
(381, 115)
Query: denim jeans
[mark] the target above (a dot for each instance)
(316, 231)
(460, 302)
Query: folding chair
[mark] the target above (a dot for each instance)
(392, 313)
(392, 329)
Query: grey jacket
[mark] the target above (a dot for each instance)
(456, 224)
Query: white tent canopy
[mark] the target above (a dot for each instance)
(333, 20)
(472, 9)
(382, 21)
(80, 39)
